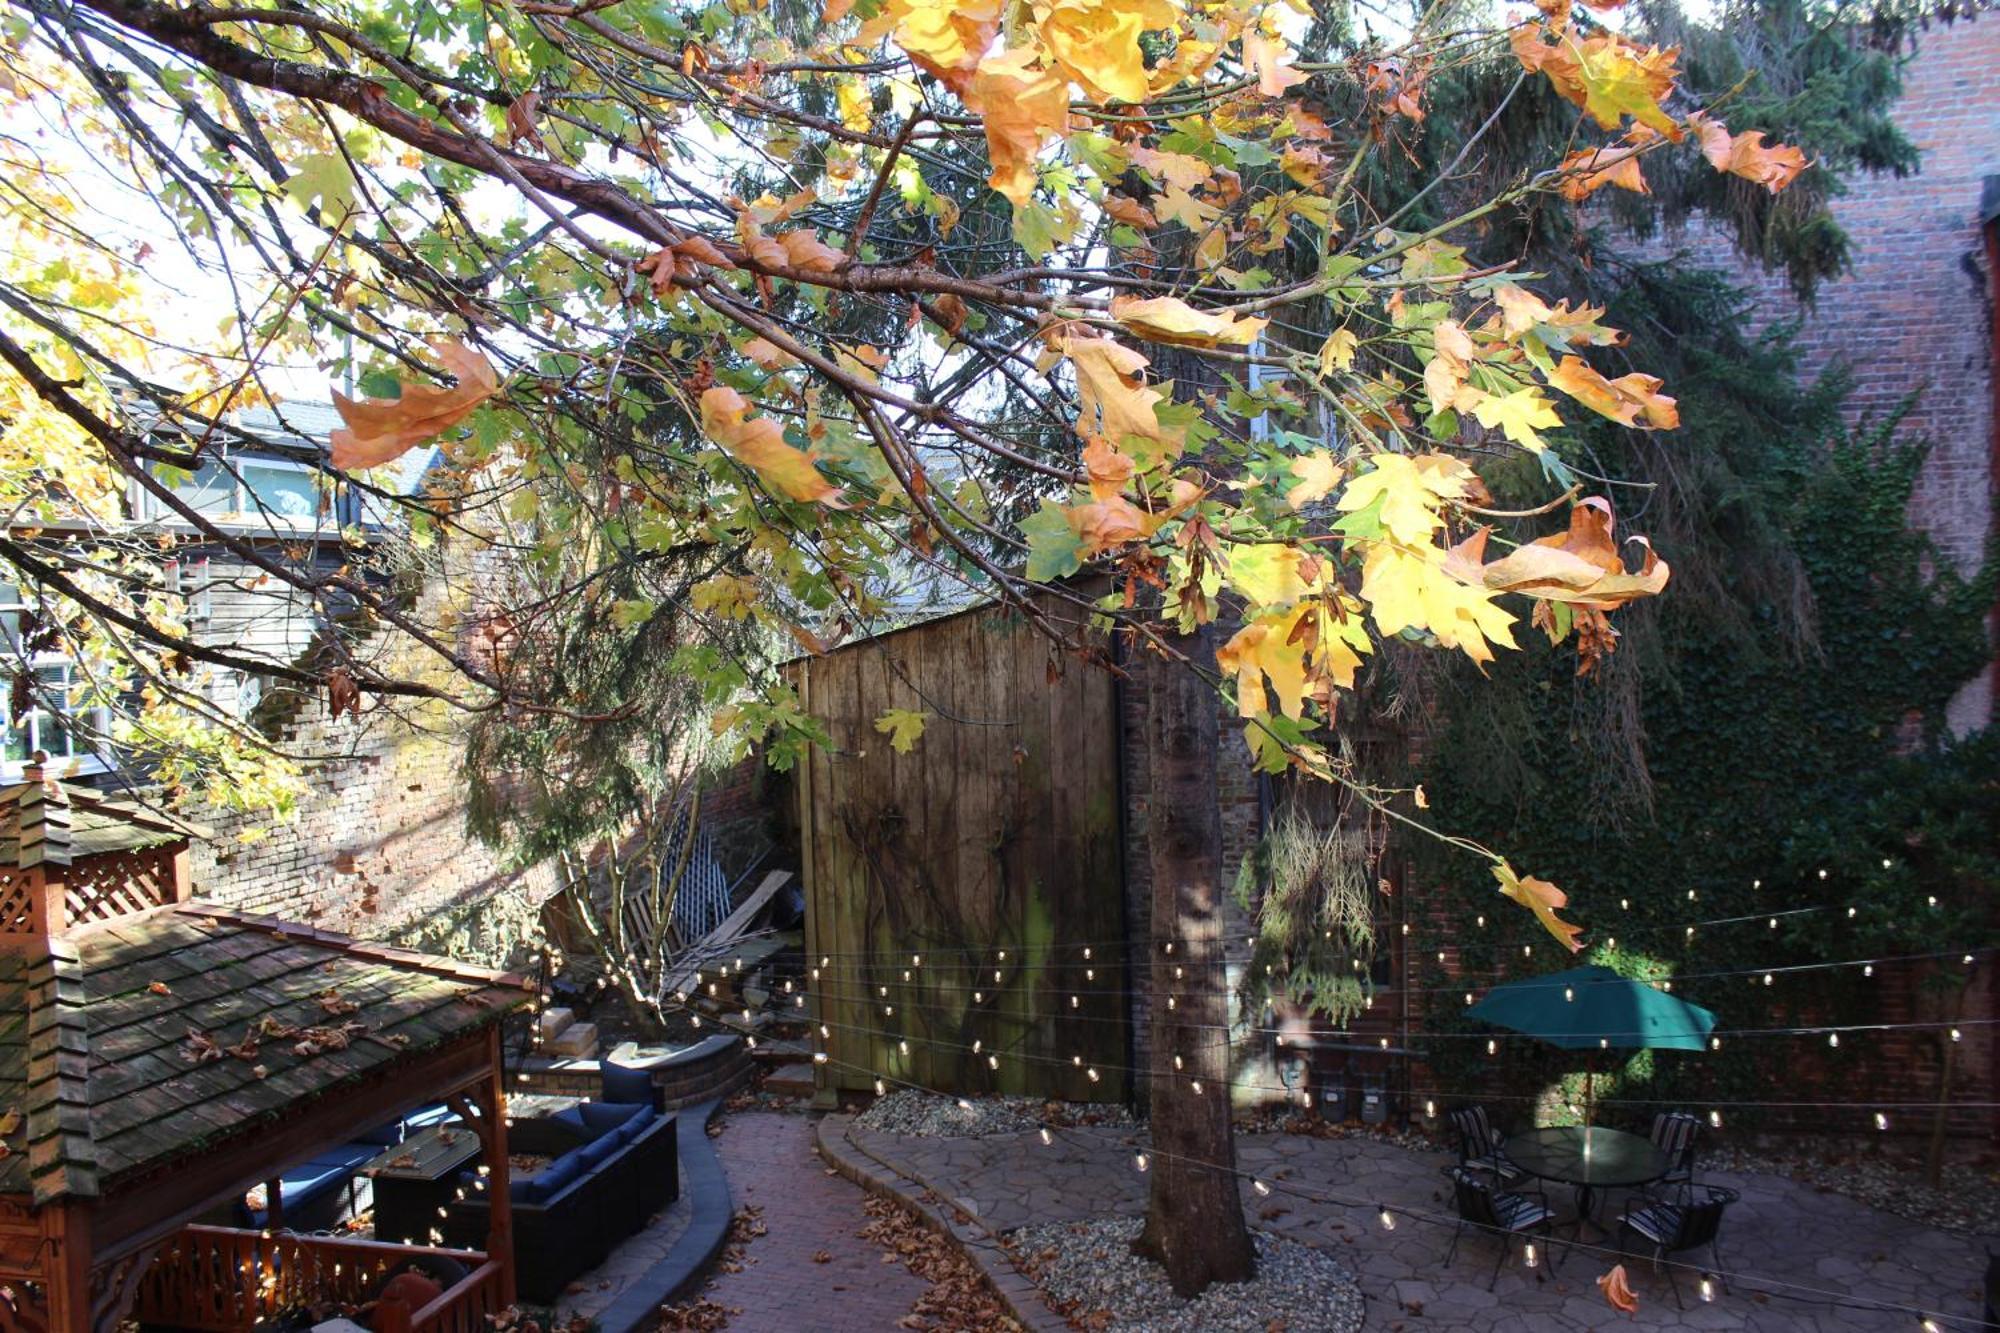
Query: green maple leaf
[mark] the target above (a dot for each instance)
(1053, 548)
(325, 179)
(902, 726)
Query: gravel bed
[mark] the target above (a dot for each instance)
(926, 1115)
(1968, 1201)
(1089, 1271)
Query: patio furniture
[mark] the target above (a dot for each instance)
(1506, 1214)
(1688, 1223)
(614, 1166)
(415, 1178)
(1588, 1158)
(1674, 1134)
(1479, 1143)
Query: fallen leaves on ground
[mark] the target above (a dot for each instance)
(702, 1316)
(959, 1300)
(1618, 1291)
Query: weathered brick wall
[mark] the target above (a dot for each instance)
(378, 846)
(1916, 312)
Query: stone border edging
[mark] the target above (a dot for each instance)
(976, 1241)
(703, 1184)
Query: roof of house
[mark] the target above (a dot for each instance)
(116, 1044)
(99, 823)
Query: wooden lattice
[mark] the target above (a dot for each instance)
(103, 888)
(17, 902)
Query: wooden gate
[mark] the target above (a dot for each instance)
(954, 889)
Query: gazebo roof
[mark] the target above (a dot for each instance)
(138, 1041)
(98, 823)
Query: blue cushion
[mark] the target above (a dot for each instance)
(602, 1117)
(384, 1136)
(424, 1119)
(347, 1156)
(622, 1083)
(636, 1125)
(594, 1153)
(572, 1116)
(548, 1182)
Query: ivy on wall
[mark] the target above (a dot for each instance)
(1770, 739)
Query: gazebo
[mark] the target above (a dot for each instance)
(160, 1057)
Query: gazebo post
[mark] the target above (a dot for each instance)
(500, 1201)
(69, 1294)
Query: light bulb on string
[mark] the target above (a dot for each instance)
(1086, 952)
(1260, 1187)
(1492, 1046)
(881, 1088)
(1047, 1138)
(1881, 1120)
(903, 1047)
(1139, 1160)
(1196, 1085)
(1385, 1217)
(1833, 1039)
(1715, 1120)
(1528, 1254)
(993, 1062)
(1708, 1286)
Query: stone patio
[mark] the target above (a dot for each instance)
(1795, 1258)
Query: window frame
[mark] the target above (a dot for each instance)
(321, 523)
(80, 760)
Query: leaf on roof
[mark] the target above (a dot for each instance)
(330, 1001)
(200, 1048)
(159, 988)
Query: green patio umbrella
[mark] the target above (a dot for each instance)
(1594, 1009)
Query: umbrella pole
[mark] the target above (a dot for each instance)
(1589, 1081)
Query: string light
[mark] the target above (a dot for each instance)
(1003, 955)
(992, 1062)
(1492, 1046)
(819, 1057)
(1715, 1120)
(1569, 995)
(1260, 1187)
(881, 1088)
(1196, 1085)
(1624, 904)
(1387, 1218)
(1047, 1138)
(1092, 1073)
(1707, 1282)
(1528, 1254)
(903, 1047)
(964, 1105)
(1955, 1034)
(1833, 1039)
(1177, 1064)
(1881, 1120)
(1822, 872)
(1430, 1109)
(977, 1042)
(916, 960)
(1086, 952)
(1075, 1002)
(979, 997)
(1139, 1160)
(1715, 1043)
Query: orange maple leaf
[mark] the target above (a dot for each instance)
(1618, 1291)
(759, 442)
(379, 430)
(1544, 900)
(1773, 166)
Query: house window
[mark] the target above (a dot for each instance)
(46, 710)
(248, 491)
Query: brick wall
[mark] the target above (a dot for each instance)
(1916, 312)
(378, 845)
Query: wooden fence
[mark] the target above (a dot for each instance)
(952, 888)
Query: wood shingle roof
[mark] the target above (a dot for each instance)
(132, 1043)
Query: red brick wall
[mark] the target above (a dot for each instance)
(1916, 312)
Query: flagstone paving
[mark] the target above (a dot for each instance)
(1795, 1258)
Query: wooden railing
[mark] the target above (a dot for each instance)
(222, 1280)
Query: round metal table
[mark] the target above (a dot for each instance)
(1588, 1159)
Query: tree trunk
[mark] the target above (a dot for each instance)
(1194, 1215)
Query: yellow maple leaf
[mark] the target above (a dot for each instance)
(1023, 106)
(1261, 649)
(1337, 352)
(1267, 575)
(378, 430)
(1317, 475)
(1097, 43)
(1518, 415)
(1168, 319)
(759, 443)
(945, 37)
(1412, 489)
(1117, 404)
(1408, 589)
(1544, 900)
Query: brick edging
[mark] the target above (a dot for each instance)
(979, 1243)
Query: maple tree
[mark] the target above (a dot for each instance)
(756, 316)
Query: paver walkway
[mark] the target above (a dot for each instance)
(771, 1165)
(1780, 1233)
